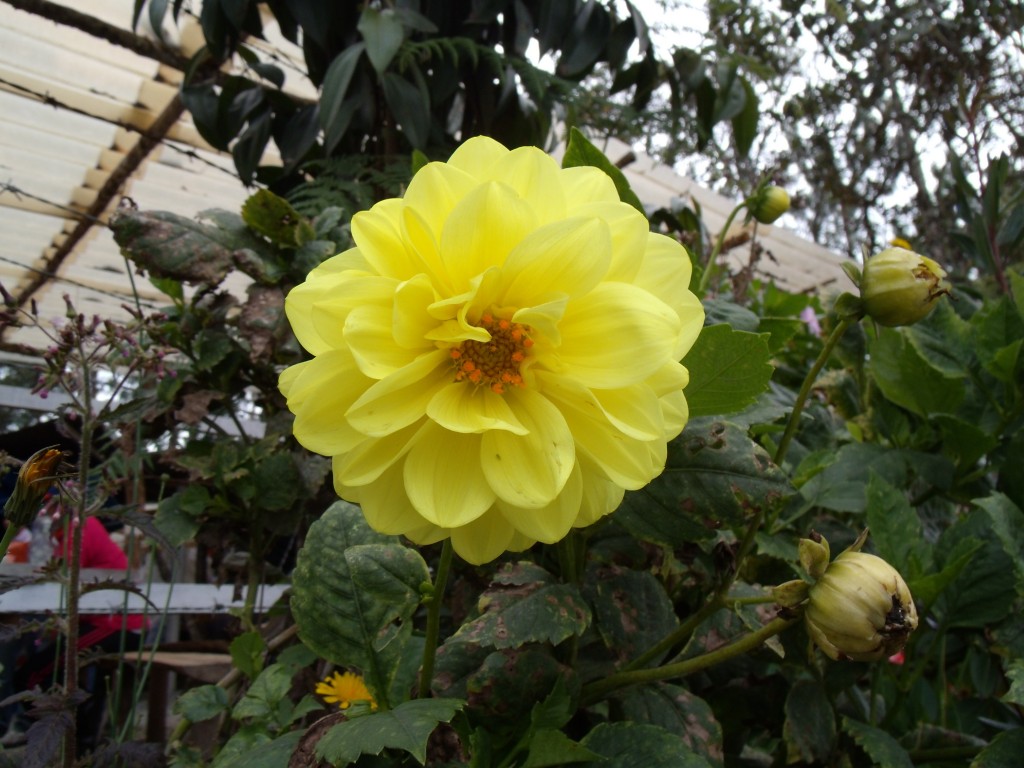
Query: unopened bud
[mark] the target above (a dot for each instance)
(900, 287)
(860, 609)
(771, 203)
(34, 480)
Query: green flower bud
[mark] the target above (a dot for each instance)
(900, 287)
(860, 609)
(771, 203)
(34, 479)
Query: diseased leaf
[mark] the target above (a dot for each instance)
(677, 711)
(810, 728)
(882, 748)
(632, 611)
(628, 745)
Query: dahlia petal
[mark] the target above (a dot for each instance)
(635, 410)
(676, 412)
(476, 156)
(411, 322)
(482, 539)
(627, 461)
(366, 462)
(481, 231)
(585, 184)
(435, 191)
(616, 335)
(443, 479)
(629, 230)
(369, 333)
(386, 505)
(400, 399)
(553, 521)
(601, 496)
(423, 242)
(462, 407)
(378, 233)
(548, 260)
(534, 175)
(529, 470)
(319, 391)
(665, 272)
(544, 318)
(338, 295)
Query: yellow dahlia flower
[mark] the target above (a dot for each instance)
(497, 358)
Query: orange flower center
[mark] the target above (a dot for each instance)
(495, 363)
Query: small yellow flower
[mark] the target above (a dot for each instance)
(34, 480)
(345, 688)
(497, 359)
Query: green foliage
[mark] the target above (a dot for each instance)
(728, 370)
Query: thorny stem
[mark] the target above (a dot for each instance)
(805, 389)
(434, 619)
(599, 689)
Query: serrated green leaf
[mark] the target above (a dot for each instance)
(677, 711)
(1004, 751)
(810, 728)
(352, 589)
(1015, 674)
(896, 530)
(247, 653)
(714, 476)
(532, 613)
(260, 752)
(579, 151)
(175, 519)
(202, 703)
(882, 748)
(1007, 523)
(406, 727)
(728, 370)
(908, 379)
(628, 745)
(263, 699)
(549, 748)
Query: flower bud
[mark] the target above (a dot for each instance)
(34, 479)
(860, 609)
(900, 287)
(771, 203)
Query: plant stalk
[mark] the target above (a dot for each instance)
(434, 619)
(594, 692)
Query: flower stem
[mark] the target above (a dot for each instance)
(805, 389)
(434, 619)
(705, 278)
(597, 690)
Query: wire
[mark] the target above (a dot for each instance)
(60, 278)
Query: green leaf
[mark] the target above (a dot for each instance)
(202, 703)
(352, 588)
(527, 613)
(549, 748)
(1015, 674)
(714, 477)
(176, 516)
(382, 30)
(810, 729)
(263, 701)
(247, 653)
(579, 151)
(1004, 751)
(728, 370)
(276, 219)
(926, 589)
(744, 124)
(908, 379)
(628, 745)
(896, 530)
(677, 711)
(1007, 523)
(410, 104)
(406, 727)
(336, 109)
(263, 754)
(984, 593)
(944, 340)
(882, 748)
(632, 611)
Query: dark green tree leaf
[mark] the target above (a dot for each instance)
(882, 748)
(202, 703)
(383, 33)
(908, 379)
(677, 711)
(896, 530)
(632, 611)
(810, 729)
(550, 748)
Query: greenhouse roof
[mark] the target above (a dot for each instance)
(87, 123)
